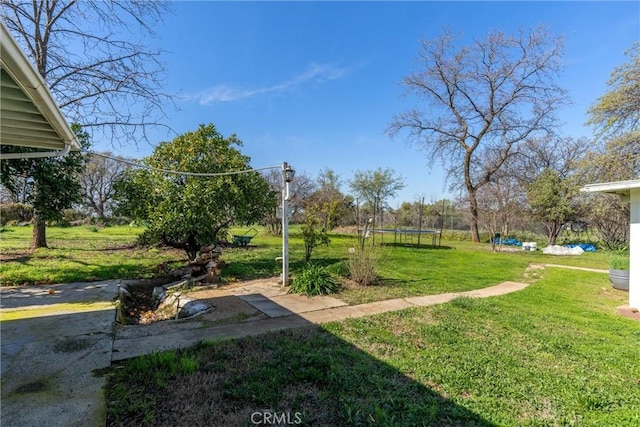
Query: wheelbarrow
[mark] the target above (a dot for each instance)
(243, 240)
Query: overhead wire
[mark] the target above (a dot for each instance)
(168, 171)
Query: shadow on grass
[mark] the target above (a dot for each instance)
(422, 246)
(257, 268)
(17, 258)
(301, 374)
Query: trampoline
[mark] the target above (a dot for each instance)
(407, 235)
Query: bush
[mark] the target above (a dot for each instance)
(14, 213)
(619, 262)
(314, 280)
(340, 268)
(147, 238)
(364, 263)
(485, 236)
(312, 236)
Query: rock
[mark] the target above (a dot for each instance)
(212, 277)
(123, 291)
(158, 294)
(181, 272)
(191, 308)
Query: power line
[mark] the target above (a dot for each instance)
(203, 174)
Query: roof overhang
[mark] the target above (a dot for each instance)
(621, 188)
(29, 116)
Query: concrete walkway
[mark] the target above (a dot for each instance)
(55, 344)
(49, 358)
(570, 267)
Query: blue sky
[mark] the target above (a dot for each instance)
(316, 83)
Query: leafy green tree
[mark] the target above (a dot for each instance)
(616, 118)
(553, 201)
(554, 160)
(616, 114)
(50, 184)
(406, 214)
(188, 212)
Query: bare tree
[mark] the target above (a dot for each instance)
(375, 187)
(327, 203)
(100, 77)
(484, 101)
(86, 52)
(561, 154)
(547, 169)
(301, 187)
(501, 202)
(97, 183)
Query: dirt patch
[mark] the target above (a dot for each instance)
(506, 249)
(229, 309)
(626, 311)
(140, 308)
(352, 229)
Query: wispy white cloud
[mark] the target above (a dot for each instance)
(227, 93)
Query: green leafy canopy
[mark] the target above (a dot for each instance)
(188, 212)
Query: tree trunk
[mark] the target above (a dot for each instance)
(554, 230)
(473, 222)
(39, 231)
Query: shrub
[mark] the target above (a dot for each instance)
(340, 268)
(312, 236)
(147, 238)
(314, 280)
(364, 263)
(15, 213)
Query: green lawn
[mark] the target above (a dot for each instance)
(81, 253)
(553, 354)
(455, 266)
(89, 253)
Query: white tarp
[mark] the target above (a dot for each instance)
(562, 250)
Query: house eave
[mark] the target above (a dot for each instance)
(30, 115)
